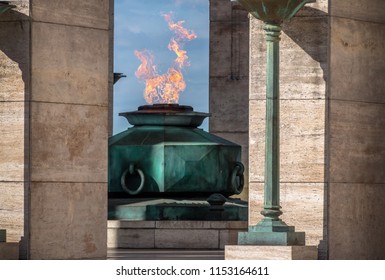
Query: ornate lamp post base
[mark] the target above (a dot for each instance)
(271, 233)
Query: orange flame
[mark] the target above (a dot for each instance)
(167, 87)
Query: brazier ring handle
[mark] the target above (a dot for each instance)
(131, 172)
(238, 172)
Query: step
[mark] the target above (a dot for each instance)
(210, 235)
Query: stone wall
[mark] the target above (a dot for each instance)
(303, 112)
(357, 130)
(59, 113)
(229, 75)
(14, 93)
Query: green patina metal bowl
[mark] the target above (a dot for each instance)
(273, 11)
(165, 152)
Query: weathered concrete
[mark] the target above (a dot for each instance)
(12, 209)
(12, 118)
(356, 51)
(356, 221)
(14, 90)
(303, 58)
(64, 68)
(302, 140)
(271, 253)
(173, 234)
(357, 146)
(190, 238)
(372, 10)
(66, 142)
(14, 60)
(68, 220)
(9, 251)
(56, 75)
(229, 72)
(86, 13)
(111, 69)
(357, 121)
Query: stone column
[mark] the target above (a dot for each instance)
(357, 130)
(58, 155)
(229, 75)
(69, 129)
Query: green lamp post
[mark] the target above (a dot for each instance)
(271, 230)
(5, 6)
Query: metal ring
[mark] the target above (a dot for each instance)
(131, 170)
(238, 172)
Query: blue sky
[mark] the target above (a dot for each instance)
(139, 25)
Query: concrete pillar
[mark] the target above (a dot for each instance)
(61, 126)
(229, 75)
(357, 130)
(303, 84)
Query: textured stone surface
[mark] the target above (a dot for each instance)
(228, 105)
(14, 90)
(12, 127)
(64, 64)
(68, 142)
(183, 224)
(357, 122)
(302, 140)
(187, 239)
(14, 60)
(317, 6)
(68, 220)
(357, 223)
(9, 251)
(200, 224)
(112, 224)
(228, 46)
(357, 146)
(228, 237)
(131, 238)
(229, 72)
(303, 58)
(302, 205)
(141, 234)
(271, 253)
(86, 13)
(356, 51)
(12, 209)
(372, 10)
(221, 10)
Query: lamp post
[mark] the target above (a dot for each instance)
(271, 230)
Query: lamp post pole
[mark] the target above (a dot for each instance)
(271, 230)
(272, 164)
